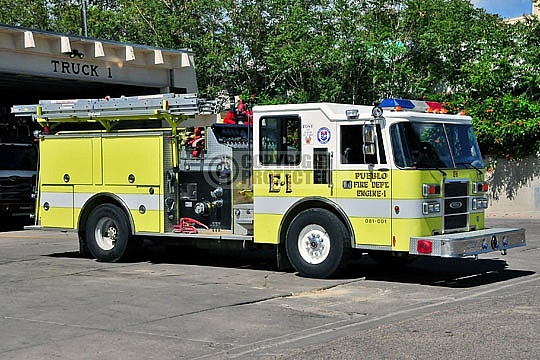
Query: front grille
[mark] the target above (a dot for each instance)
(456, 205)
(15, 189)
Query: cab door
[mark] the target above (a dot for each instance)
(363, 185)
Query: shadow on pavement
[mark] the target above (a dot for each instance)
(12, 225)
(188, 255)
(452, 273)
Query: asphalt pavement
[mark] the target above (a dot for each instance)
(183, 303)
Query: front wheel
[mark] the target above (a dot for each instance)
(317, 243)
(108, 235)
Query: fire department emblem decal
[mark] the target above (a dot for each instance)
(323, 135)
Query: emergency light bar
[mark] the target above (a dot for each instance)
(412, 105)
(397, 104)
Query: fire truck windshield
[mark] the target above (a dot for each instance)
(421, 145)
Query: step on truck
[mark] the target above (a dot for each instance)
(316, 182)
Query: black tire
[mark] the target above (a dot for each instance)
(108, 235)
(83, 247)
(317, 243)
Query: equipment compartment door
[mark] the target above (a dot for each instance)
(132, 160)
(133, 171)
(56, 206)
(66, 161)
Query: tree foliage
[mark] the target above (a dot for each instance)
(25, 13)
(354, 51)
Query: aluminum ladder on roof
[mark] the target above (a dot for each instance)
(174, 108)
(174, 104)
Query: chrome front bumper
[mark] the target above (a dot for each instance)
(468, 243)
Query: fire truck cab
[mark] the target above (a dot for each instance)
(316, 182)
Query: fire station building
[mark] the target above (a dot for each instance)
(38, 65)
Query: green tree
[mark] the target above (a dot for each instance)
(196, 25)
(525, 57)
(25, 13)
(66, 16)
(353, 51)
(295, 53)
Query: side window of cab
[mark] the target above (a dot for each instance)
(279, 140)
(352, 146)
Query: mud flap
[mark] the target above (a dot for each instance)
(283, 263)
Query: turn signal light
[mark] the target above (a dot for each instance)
(431, 189)
(480, 187)
(424, 247)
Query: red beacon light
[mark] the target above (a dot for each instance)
(434, 107)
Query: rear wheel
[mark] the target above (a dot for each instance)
(108, 235)
(317, 243)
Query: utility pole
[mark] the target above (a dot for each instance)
(84, 5)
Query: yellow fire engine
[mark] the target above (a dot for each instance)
(316, 182)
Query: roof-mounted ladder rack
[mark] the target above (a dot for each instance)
(171, 107)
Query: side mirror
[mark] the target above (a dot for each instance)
(369, 138)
